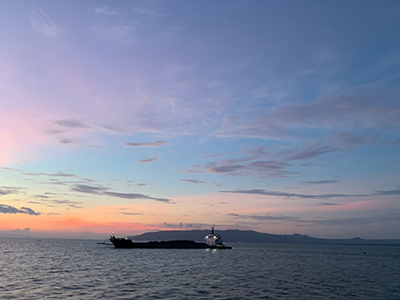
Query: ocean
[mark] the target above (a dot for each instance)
(82, 269)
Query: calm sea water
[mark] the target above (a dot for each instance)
(78, 269)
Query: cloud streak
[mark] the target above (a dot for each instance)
(240, 167)
(317, 182)
(293, 195)
(7, 209)
(42, 23)
(387, 193)
(147, 160)
(339, 142)
(67, 141)
(308, 196)
(81, 188)
(183, 225)
(313, 151)
(327, 204)
(195, 181)
(72, 123)
(357, 221)
(276, 161)
(131, 213)
(147, 144)
(104, 10)
(4, 190)
(53, 180)
(267, 217)
(49, 201)
(341, 112)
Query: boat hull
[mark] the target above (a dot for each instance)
(179, 244)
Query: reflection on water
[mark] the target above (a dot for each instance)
(57, 269)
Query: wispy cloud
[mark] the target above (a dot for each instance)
(7, 209)
(62, 130)
(98, 190)
(346, 221)
(130, 183)
(60, 174)
(42, 23)
(49, 200)
(313, 151)
(195, 181)
(53, 214)
(293, 195)
(339, 142)
(104, 10)
(71, 123)
(316, 182)
(342, 112)
(327, 204)
(134, 196)
(309, 196)
(54, 177)
(212, 155)
(267, 217)
(255, 162)
(67, 141)
(356, 221)
(388, 193)
(5, 190)
(146, 144)
(82, 188)
(131, 213)
(241, 168)
(276, 161)
(148, 160)
(182, 225)
(356, 108)
(69, 203)
(41, 196)
(147, 12)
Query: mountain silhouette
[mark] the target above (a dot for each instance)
(251, 236)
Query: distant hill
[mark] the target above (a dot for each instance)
(251, 236)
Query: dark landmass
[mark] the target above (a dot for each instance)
(251, 236)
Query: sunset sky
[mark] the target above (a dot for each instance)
(133, 116)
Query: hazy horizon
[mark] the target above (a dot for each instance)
(27, 233)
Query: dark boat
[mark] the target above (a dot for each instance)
(213, 241)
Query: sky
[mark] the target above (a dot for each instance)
(131, 116)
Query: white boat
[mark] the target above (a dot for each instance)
(215, 241)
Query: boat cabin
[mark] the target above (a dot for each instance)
(213, 239)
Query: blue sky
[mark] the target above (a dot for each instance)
(277, 116)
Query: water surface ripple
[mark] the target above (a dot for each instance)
(79, 269)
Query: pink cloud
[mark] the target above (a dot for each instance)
(366, 205)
